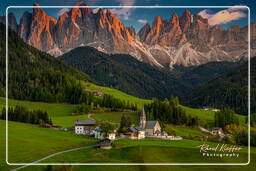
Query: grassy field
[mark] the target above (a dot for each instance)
(53, 109)
(207, 114)
(28, 143)
(140, 151)
(118, 94)
(184, 131)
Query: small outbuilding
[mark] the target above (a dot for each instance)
(216, 131)
(105, 144)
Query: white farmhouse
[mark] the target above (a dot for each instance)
(85, 126)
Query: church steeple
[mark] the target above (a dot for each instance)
(143, 118)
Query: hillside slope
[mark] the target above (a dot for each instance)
(140, 79)
(35, 75)
(227, 91)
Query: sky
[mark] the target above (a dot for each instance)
(137, 17)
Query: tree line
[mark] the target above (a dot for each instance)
(89, 102)
(169, 112)
(22, 114)
(225, 117)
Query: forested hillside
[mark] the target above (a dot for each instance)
(227, 91)
(140, 79)
(35, 75)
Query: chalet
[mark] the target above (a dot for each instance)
(85, 126)
(95, 92)
(212, 109)
(105, 144)
(216, 131)
(135, 133)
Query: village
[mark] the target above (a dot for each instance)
(145, 129)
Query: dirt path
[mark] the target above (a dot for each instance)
(52, 155)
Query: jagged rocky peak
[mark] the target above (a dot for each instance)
(185, 21)
(175, 19)
(157, 24)
(200, 23)
(132, 31)
(12, 23)
(24, 27)
(186, 40)
(144, 32)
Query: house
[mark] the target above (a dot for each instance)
(136, 133)
(216, 131)
(112, 136)
(95, 92)
(98, 134)
(85, 126)
(105, 144)
(152, 128)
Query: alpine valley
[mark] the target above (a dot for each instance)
(85, 88)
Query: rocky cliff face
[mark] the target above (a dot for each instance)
(186, 40)
(12, 23)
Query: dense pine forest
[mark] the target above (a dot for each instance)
(169, 112)
(36, 76)
(227, 91)
(22, 114)
(129, 75)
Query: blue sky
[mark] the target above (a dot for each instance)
(138, 17)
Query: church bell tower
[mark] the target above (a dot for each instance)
(143, 119)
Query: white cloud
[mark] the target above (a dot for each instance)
(124, 13)
(223, 16)
(62, 11)
(142, 21)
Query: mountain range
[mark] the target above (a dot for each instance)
(188, 40)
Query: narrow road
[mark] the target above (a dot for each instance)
(52, 155)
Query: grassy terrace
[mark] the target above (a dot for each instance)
(118, 94)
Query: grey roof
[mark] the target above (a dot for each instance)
(133, 130)
(85, 122)
(150, 124)
(139, 129)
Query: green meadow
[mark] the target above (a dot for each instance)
(117, 93)
(53, 109)
(63, 114)
(28, 143)
(184, 131)
(148, 151)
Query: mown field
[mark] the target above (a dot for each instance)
(28, 143)
(118, 94)
(148, 151)
(184, 131)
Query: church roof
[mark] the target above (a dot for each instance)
(150, 124)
